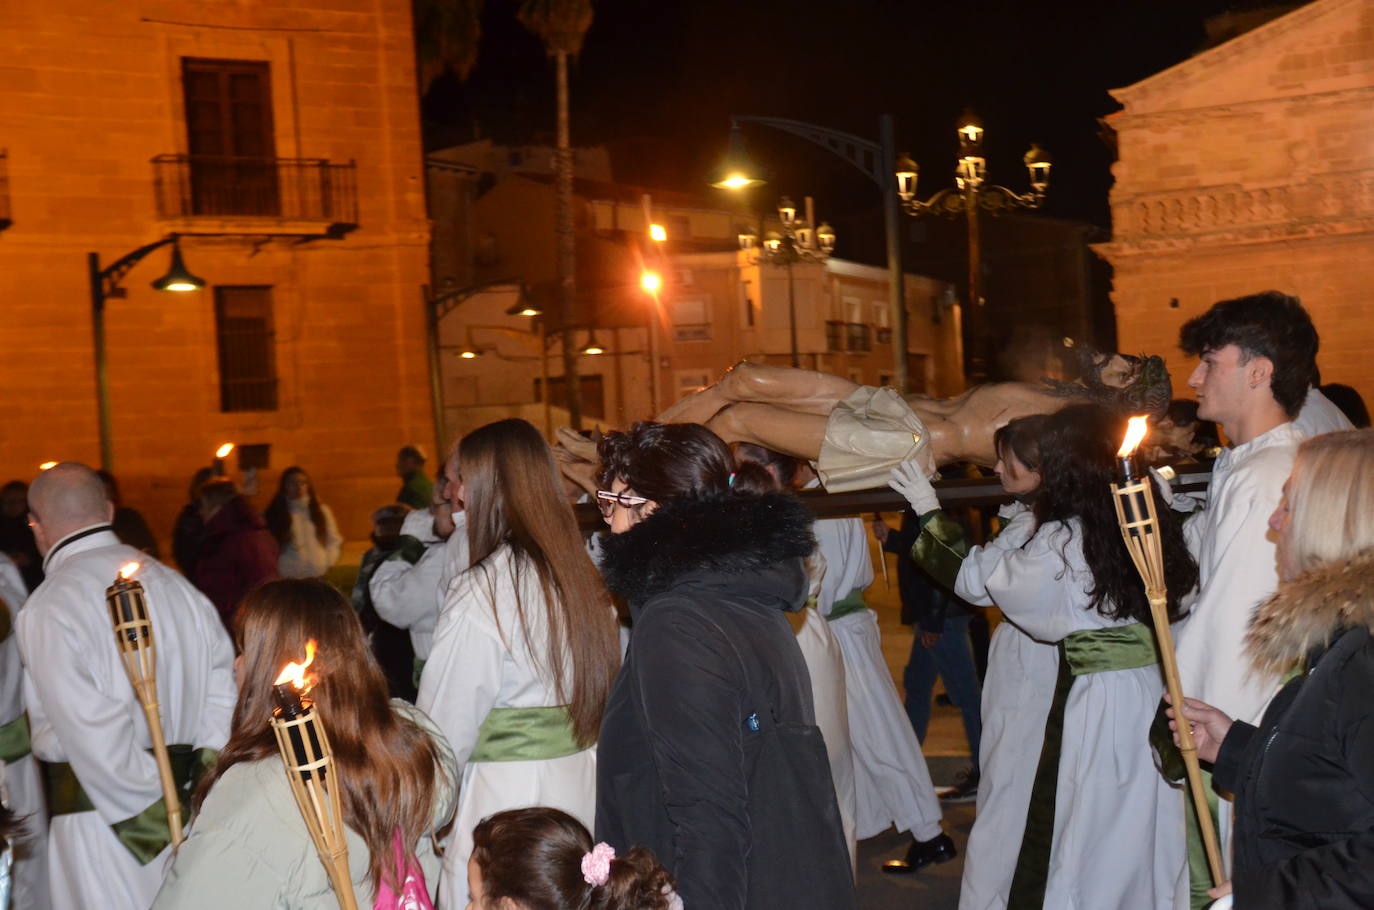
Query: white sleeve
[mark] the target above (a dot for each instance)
(62, 681)
(404, 593)
(1037, 589)
(333, 540)
(462, 677)
(971, 585)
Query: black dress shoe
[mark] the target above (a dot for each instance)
(922, 853)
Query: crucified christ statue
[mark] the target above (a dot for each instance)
(855, 434)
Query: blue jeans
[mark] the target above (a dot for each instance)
(951, 660)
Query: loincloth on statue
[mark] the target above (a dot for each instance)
(868, 434)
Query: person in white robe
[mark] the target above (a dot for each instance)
(481, 661)
(408, 587)
(1319, 415)
(892, 782)
(1254, 397)
(1118, 826)
(21, 780)
(105, 845)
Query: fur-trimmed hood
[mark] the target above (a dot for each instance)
(1310, 611)
(727, 536)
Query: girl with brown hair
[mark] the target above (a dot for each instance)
(248, 846)
(303, 526)
(543, 859)
(525, 649)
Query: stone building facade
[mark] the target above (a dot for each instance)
(1247, 167)
(280, 140)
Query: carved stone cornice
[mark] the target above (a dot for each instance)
(1323, 206)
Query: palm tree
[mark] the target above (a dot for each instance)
(562, 25)
(447, 33)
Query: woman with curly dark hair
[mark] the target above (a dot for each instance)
(543, 859)
(1095, 823)
(303, 526)
(710, 755)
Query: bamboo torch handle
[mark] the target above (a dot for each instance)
(164, 769)
(1159, 613)
(342, 882)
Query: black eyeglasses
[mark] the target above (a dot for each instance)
(607, 501)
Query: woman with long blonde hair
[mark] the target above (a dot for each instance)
(248, 845)
(1304, 777)
(525, 649)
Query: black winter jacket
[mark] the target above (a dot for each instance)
(709, 754)
(1304, 779)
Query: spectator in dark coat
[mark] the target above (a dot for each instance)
(237, 552)
(709, 753)
(190, 527)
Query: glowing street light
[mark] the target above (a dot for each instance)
(47, 466)
(651, 282)
(658, 233)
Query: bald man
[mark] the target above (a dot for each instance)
(108, 841)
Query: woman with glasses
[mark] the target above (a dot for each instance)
(525, 648)
(709, 754)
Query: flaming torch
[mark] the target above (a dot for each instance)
(220, 454)
(133, 632)
(310, 771)
(1135, 510)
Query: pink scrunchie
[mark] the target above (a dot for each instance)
(596, 866)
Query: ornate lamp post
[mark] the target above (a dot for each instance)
(105, 284)
(970, 194)
(797, 242)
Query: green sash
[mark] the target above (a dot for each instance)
(852, 603)
(417, 668)
(146, 834)
(14, 739)
(1080, 653)
(525, 734)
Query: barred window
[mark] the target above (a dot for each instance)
(246, 341)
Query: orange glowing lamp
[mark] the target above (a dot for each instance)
(651, 282)
(47, 466)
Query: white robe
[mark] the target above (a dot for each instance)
(83, 710)
(825, 665)
(303, 556)
(1118, 826)
(21, 781)
(892, 782)
(480, 661)
(1319, 415)
(408, 595)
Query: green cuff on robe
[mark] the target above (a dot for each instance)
(941, 547)
(14, 739)
(146, 834)
(851, 603)
(525, 734)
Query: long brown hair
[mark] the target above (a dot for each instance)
(278, 514)
(387, 765)
(513, 498)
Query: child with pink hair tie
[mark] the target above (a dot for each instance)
(544, 859)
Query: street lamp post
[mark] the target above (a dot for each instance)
(797, 242)
(104, 284)
(971, 194)
(877, 160)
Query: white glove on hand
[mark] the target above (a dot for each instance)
(909, 480)
(1179, 502)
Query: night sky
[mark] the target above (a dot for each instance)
(657, 82)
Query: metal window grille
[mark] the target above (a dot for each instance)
(246, 341)
(858, 337)
(834, 337)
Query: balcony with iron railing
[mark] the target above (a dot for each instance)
(209, 194)
(6, 219)
(850, 337)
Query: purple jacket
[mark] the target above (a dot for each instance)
(237, 554)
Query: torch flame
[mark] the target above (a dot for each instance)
(1136, 429)
(294, 673)
(127, 570)
(224, 450)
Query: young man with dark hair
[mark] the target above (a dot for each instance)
(1258, 363)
